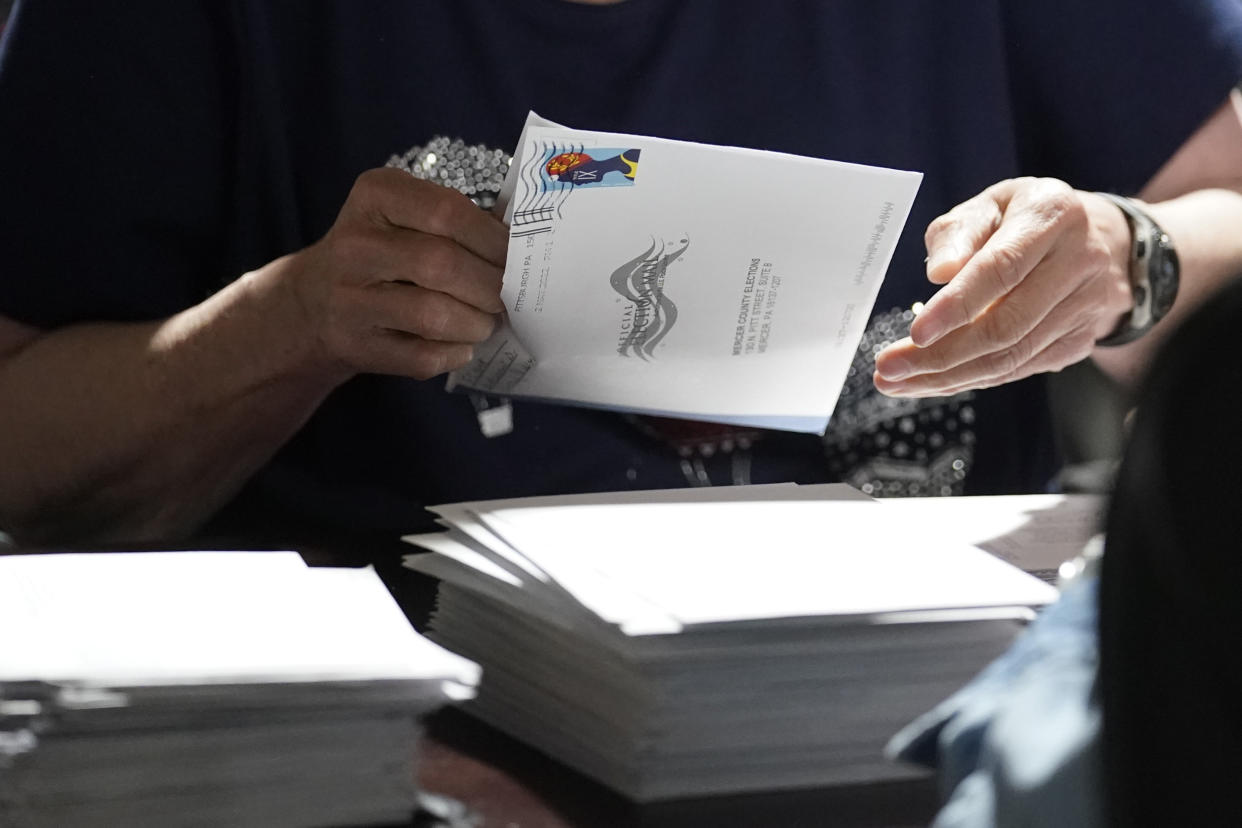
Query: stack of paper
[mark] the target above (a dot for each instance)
(219, 688)
(706, 641)
(1037, 533)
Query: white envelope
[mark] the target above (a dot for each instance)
(686, 280)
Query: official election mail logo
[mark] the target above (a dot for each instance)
(648, 313)
(597, 168)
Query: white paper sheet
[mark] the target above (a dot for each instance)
(1034, 532)
(708, 563)
(689, 280)
(155, 618)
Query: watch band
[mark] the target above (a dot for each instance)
(1154, 273)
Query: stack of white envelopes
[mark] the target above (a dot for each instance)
(677, 644)
(220, 688)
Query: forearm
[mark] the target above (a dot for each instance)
(1196, 197)
(1206, 229)
(143, 431)
(132, 431)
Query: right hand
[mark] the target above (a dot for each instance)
(405, 282)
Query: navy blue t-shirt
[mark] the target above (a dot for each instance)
(152, 151)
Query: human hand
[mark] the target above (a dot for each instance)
(1034, 272)
(405, 282)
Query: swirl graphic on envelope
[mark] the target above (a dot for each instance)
(686, 280)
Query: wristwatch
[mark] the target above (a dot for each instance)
(1154, 272)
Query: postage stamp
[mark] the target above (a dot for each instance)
(600, 167)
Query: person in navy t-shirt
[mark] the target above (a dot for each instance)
(220, 312)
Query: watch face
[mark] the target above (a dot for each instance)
(1154, 273)
(1164, 278)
